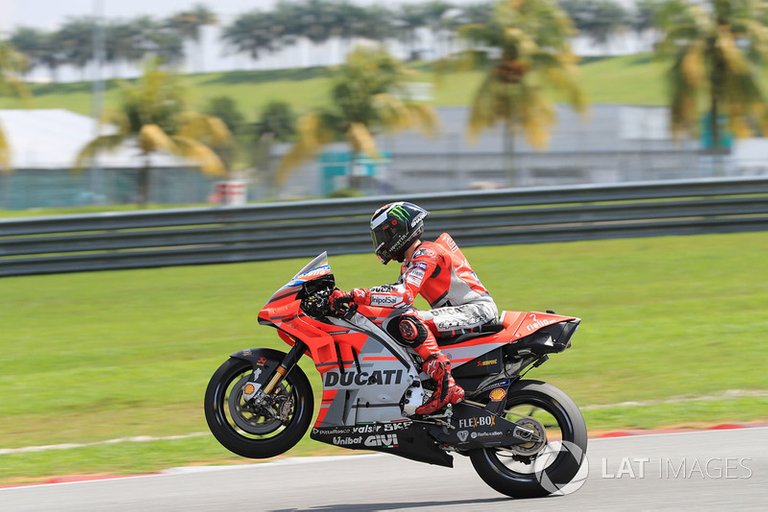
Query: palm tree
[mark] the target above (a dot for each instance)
(75, 42)
(441, 23)
(598, 19)
(187, 25)
(31, 43)
(531, 39)
(716, 50)
(254, 33)
(646, 15)
(276, 123)
(408, 20)
(321, 20)
(480, 12)
(153, 116)
(277, 120)
(12, 65)
(167, 46)
(368, 96)
(52, 56)
(374, 22)
(119, 44)
(225, 108)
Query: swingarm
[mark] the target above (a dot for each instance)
(471, 426)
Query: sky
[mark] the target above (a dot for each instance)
(50, 13)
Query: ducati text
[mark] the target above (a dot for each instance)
(375, 378)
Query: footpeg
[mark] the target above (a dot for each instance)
(448, 412)
(443, 419)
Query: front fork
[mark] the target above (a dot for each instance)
(268, 373)
(286, 365)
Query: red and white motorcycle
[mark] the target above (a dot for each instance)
(525, 438)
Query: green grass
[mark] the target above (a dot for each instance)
(303, 88)
(107, 208)
(630, 79)
(633, 79)
(76, 210)
(94, 356)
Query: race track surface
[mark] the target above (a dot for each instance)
(712, 470)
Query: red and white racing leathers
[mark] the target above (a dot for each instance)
(442, 275)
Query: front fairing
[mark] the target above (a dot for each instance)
(284, 303)
(315, 269)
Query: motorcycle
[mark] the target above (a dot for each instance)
(525, 438)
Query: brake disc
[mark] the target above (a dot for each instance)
(538, 438)
(258, 420)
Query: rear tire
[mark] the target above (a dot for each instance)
(245, 432)
(564, 465)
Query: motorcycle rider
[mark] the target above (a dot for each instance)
(442, 275)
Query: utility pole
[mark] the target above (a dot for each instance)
(97, 100)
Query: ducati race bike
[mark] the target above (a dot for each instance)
(525, 438)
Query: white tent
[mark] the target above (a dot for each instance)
(52, 138)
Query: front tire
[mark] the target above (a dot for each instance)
(520, 474)
(251, 432)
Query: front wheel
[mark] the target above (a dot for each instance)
(257, 431)
(552, 462)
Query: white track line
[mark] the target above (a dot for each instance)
(289, 461)
(311, 460)
(725, 395)
(70, 446)
(730, 394)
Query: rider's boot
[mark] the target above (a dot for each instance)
(437, 366)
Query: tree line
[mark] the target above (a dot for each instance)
(260, 32)
(129, 41)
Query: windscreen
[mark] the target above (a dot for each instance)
(318, 267)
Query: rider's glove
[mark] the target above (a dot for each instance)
(340, 297)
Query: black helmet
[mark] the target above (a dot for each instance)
(394, 227)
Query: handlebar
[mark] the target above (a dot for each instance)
(315, 301)
(346, 312)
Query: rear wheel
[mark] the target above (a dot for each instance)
(552, 462)
(260, 430)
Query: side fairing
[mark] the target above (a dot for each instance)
(460, 354)
(532, 321)
(517, 325)
(368, 388)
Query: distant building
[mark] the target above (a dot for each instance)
(610, 144)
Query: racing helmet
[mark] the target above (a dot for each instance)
(394, 227)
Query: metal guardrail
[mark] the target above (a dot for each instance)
(303, 229)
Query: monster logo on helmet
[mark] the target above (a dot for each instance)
(399, 212)
(394, 227)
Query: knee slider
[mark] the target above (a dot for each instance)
(412, 332)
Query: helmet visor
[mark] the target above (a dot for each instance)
(379, 238)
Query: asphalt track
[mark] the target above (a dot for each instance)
(710, 470)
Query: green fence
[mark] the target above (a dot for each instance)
(343, 170)
(46, 188)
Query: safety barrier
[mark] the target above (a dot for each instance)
(105, 241)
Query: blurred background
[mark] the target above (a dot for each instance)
(568, 145)
(620, 95)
